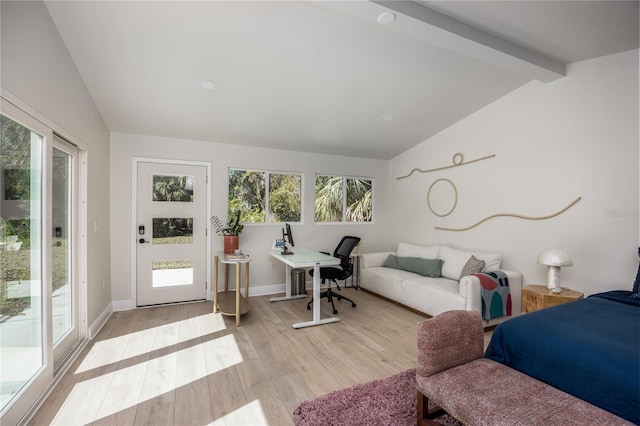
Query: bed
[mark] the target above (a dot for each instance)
(589, 348)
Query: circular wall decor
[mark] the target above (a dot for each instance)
(455, 197)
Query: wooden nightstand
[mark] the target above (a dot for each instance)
(535, 297)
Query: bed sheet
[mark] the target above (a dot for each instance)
(589, 348)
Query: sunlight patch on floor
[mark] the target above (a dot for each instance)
(114, 391)
(141, 342)
(249, 414)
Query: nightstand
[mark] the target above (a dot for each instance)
(535, 297)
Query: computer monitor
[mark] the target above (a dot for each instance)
(287, 236)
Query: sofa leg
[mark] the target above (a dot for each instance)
(424, 417)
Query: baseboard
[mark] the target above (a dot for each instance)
(123, 305)
(261, 290)
(97, 325)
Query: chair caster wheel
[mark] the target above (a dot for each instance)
(353, 305)
(335, 312)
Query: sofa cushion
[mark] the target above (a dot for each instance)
(412, 250)
(455, 260)
(424, 267)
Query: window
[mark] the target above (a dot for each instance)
(343, 199)
(248, 193)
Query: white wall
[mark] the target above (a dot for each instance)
(267, 275)
(577, 136)
(37, 69)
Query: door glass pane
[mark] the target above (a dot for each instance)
(21, 349)
(172, 230)
(173, 188)
(172, 272)
(62, 290)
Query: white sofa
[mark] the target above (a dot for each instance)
(430, 295)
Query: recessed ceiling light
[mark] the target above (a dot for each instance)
(208, 84)
(387, 117)
(386, 18)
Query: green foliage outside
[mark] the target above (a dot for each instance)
(329, 199)
(284, 198)
(328, 204)
(172, 188)
(247, 194)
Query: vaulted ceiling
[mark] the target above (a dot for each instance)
(331, 77)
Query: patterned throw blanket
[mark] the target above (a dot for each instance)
(495, 294)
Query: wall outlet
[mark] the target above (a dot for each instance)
(104, 283)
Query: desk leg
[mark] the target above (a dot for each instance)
(316, 304)
(287, 285)
(237, 294)
(215, 284)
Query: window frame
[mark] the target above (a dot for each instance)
(267, 195)
(344, 198)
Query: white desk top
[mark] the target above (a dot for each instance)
(302, 258)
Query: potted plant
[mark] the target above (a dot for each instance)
(231, 231)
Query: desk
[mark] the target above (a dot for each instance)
(230, 302)
(305, 258)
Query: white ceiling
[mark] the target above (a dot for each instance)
(319, 76)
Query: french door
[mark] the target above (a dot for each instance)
(171, 227)
(38, 293)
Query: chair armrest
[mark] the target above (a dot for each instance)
(470, 290)
(447, 340)
(370, 260)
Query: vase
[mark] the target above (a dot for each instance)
(231, 243)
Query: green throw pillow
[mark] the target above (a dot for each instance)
(418, 265)
(391, 262)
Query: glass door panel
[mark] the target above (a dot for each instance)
(63, 303)
(22, 354)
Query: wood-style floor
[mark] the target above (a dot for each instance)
(184, 365)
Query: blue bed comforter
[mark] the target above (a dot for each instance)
(589, 348)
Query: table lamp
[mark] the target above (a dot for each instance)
(554, 259)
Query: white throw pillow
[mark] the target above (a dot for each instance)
(454, 261)
(413, 250)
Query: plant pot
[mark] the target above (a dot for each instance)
(231, 242)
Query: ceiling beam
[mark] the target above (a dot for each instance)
(449, 33)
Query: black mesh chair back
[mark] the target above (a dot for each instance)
(342, 252)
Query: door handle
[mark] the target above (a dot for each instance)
(142, 241)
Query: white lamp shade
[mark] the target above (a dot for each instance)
(555, 257)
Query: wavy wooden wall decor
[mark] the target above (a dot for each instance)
(458, 160)
(519, 216)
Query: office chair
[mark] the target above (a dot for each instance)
(342, 252)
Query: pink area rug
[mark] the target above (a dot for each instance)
(390, 401)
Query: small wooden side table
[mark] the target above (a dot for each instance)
(535, 297)
(231, 302)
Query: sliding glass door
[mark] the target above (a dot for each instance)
(63, 249)
(38, 290)
(24, 358)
